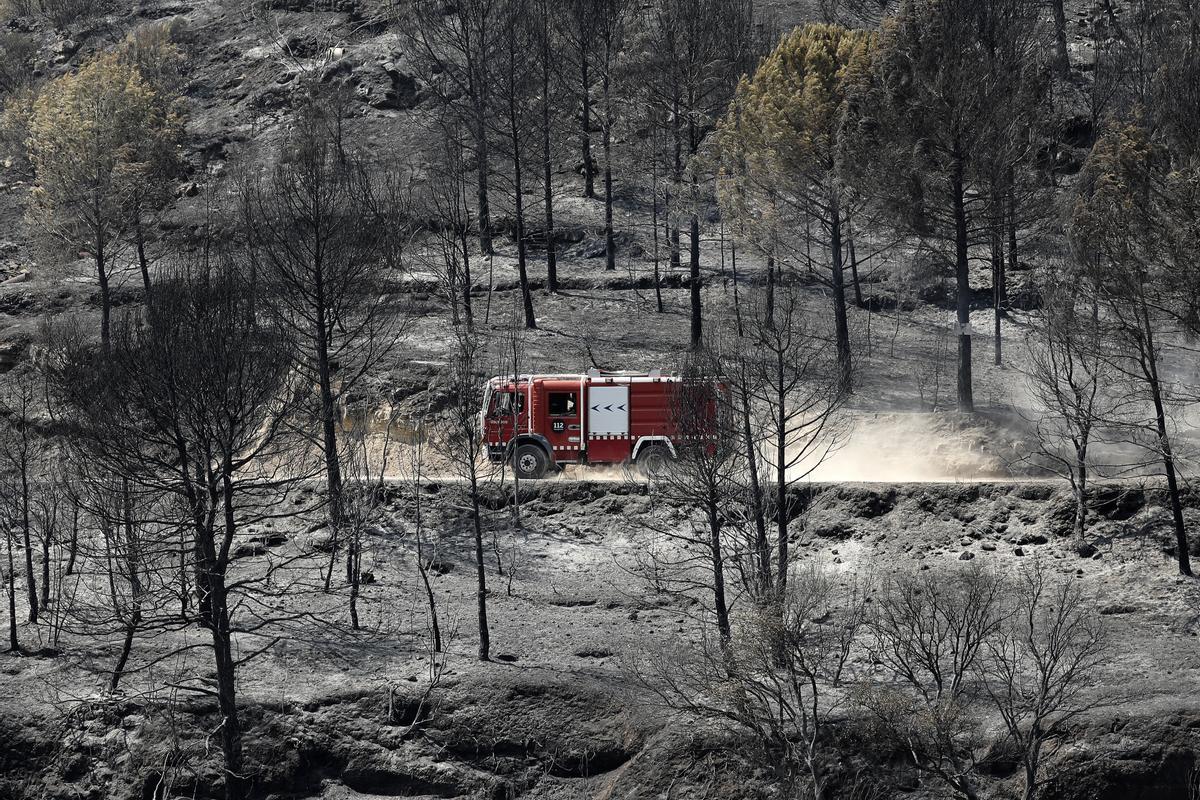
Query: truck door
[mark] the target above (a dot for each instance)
(504, 416)
(563, 428)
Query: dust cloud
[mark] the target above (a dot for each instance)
(918, 448)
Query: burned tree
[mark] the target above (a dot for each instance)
(459, 44)
(21, 460)
(576, 27)
(778, 678)
(1127, 226)
(128, 563)
(323, 236)
(793, 387)
(701, 470)
(1134, 226)
(1070, 382)
(442, 204)
(461, 439)
(948, 78)
(931, 632)
(695, 50)
(515, 87)
(189, 404)
(1039, 669)
(611, 17)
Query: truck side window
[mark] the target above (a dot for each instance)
(562, 404)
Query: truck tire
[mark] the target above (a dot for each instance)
(530, 462)
(653, 460)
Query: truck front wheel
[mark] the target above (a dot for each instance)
(530, 462)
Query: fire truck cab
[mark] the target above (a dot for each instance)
(541, 423)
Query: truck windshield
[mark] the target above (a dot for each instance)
(508, 404)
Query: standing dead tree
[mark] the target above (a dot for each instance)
(515, 88)
(550, 62)
(459, 44)
(189, 405)
(610, 21)
(1039, 669)
(461, 439)
(700, 471)
(575, 27)
(794, 387)
(1134, 225)
(441, 205)
(20, 460)
(931, 631)
(10, 575)
(1070, 381)
(778, 677)
(944, 98)
(128, 565)
(414, 474)
(693, 53)
(323, 236)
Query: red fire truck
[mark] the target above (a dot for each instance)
(544, 422)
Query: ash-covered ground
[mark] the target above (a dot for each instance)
(563, 711)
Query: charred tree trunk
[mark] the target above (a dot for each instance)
(996, 227)
(762, 548)
(14, 645)
(589, 164)
(231, 731)
(1062, 59)
(333, 466)
(105, 301)
(353, 553)
(841, 320)
(962, 275)
(423, 570)
(134, 619)
(1081, 477)
(781, 510)
(30, 579)
(482, 169)
(485, 639)
(658, 300)
(131, 627)
(694, 231)
(610, 246)
(213, 606)
(858, 298)
(519, 207)
(697, 328)
(468, 312)
(771, 278)
(737, 305)
(677, 178)
(1166, 452)
(44, 597)
(143, 263)
(73, 545)
(548, 175)
(718, 567)
(1012, 245)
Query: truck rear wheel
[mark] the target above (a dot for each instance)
(653, 460)
(530, 462)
